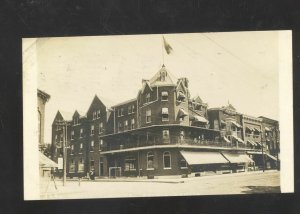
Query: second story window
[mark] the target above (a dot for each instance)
(125, 124)
(148, 98)
(81, 133)
(72, 135)
(129, 110)
(92, 145)
(165, 114)
(148, 116)
(164, 96)
(100, 128)
(132, 123)
(100, 144)
(133, 109)
(72, 149)
(122, 111)
(92, 129)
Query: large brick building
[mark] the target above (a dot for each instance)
(162, 131)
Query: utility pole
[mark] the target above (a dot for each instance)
(262, 153)
(64, 125)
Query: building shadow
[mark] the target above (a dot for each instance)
(261, 189)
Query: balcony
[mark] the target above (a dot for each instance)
(204, 143)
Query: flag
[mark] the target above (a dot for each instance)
(167, 46)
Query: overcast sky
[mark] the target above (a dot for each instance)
(241, 68)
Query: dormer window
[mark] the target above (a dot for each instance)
(163, 75)
(164, 96)
(76, 119)
(148, 98)
(180, 96)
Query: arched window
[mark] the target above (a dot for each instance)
(150, 160)
(167, 160)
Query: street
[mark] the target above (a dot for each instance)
(238, 183)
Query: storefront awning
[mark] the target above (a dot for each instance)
(237, 158)
(226, 139)
(182, 113)
(236, 124)
(46, 162)
(200, 119)
(197, 158)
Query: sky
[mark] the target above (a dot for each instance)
(238, 67)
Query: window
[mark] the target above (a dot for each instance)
(148, 98)
(130, 164)
(81, 133)
(180, 96)
(129, 109)
(165, 114)
(81, 165)
(122, 111)
(133, 109)
(92, 164)
(61, 138)
(92, 145)
(55, 138)
(75, 121)
(100, 128)
(120, 126)
(164, 96)
(132, 123)
(167, 160)
(125, 124)
(216, 124)
(72, 149)
(94, 115)
(81, 148)
(119, 112)
(72, 135)
(100, 144)
(72, 166)
(148, 116)
(181, 135)
(166, 134)
(98, 114)
(150, 160)
(92, 129)
(183, 163)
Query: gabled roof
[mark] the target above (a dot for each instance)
(96, 99)
(81, 114)
(197, 100)
(145, 84)
(156, 80)
(66, 115)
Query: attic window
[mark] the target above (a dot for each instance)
(163, 75)
(76, 121)
(180, 96)
(148, 98)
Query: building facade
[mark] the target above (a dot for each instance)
(162, 131)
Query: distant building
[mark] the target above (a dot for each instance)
(162, 131)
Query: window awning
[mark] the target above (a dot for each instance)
(223, 122)
(180, 95)
(267, 129)
(226, 139)
(197, 158)
(201, 119)
(271, 156)
(258, 143)
(46, 162)
(182, 113)
(165, 111)
(236, 124)
(257, 130)
(164, 93)
(249, 128)
(251, 142)
(238, 139)
(237, 158)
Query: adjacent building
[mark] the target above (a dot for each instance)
(161, 131)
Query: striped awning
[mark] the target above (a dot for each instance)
(237, 158)
(257, 130)
(197, 158)
(46, 162)
(226, 139)
(251, 142)
(236, 124)
(238, 139)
